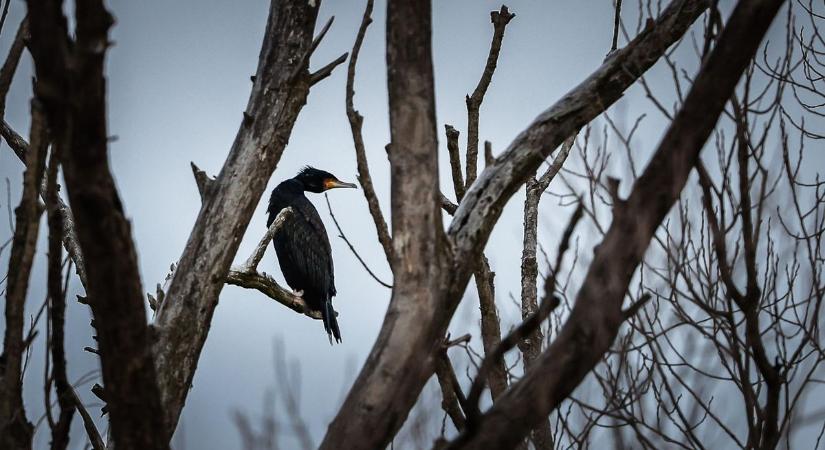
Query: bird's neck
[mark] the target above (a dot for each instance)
(294, 185)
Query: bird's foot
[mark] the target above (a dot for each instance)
(298, 293)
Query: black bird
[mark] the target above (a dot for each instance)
(302, 244)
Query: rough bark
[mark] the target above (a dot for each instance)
(531, 346)
(15, 429)
(490, 323)
(386, 388)
(490, 327)
(597, 315)
(401, 359)
(280, 88)
(57, 310)
(21, 148)
(72, 87)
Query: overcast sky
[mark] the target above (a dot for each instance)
(178, 83)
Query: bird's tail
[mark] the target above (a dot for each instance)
(330, 322)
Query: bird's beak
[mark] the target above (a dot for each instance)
(333, 184)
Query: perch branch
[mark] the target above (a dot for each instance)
(269, 287)
(183, 320)
(251, 263)
(247, 276)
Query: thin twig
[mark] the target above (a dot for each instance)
(326, 71)
(352, 248)
(448, 206)
(616, 21)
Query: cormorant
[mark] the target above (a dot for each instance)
(302, 244)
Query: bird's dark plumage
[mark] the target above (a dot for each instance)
(302, 244)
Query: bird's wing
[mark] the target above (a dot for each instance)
(304, 242)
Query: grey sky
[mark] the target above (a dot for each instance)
(178, 82)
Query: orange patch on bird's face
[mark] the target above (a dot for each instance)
(329, 183)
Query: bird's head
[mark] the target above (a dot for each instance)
(315, 180)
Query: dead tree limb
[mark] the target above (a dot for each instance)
(485, 199)
(88, 423)
(597, 315)
(423, 302)
(15, 429)
(386, 389)
(500, 19)
(452, 398)
(356, 122)
(280, 89)
(483, 275)
(247, 275)
(57, 309)
(12, 60)
(530, 346)
(72, 88)
(20, 148)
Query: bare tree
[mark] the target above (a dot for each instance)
(761, 320)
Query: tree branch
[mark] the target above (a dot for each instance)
(500, 19)
(269, 287)
(381, 397)
(70, 242)
(485, 199)
(247, 275)
(352, 247)
(57, 309)
(455, 162)
(71, 85)
(452, 398)
(324, 72)
(356, 121)
(425, 299)
(15, 429)
(12, 60)
(88, 422)
(490, 328)
(251, 263)
(530, 346)
(278, 93)
(595, 319)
